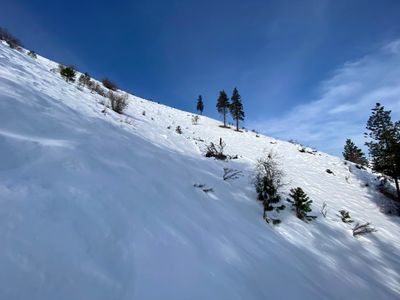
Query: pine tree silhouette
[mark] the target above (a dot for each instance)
(354, 154)
(223, 104)
(200, 105)
(236, 108)
(384, 144)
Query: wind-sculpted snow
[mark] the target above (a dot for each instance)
(98, 205)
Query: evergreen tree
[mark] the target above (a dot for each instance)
(384, 144)
(354, 154)
(223, 104)
(68, 73)
(236, 108)
(200, 105)
(301, 203)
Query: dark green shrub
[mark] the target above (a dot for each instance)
(178, 129)
(68, 73)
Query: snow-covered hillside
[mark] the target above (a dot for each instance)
(98, 205)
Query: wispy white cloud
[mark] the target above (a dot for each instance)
(344, 104)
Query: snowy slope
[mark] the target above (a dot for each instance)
(102, 206)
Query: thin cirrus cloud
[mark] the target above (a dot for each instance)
(344, 104)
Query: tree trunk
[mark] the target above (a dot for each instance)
(237, 124)
(396, 180)
(224, 118)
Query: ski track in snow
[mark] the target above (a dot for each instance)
(102, 206)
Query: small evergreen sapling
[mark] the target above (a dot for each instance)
(345, 216)
(301, 203)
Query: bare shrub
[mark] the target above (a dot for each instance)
(195, 120)
(203, 187)
(11, 40)
(84, 79)
(109, 84)
(91, 86)
(267, 180)
(118, 102)
(324, 209)
(216, 151)
(99, 90)
(363, 229)
(32, 54)
(231, 174)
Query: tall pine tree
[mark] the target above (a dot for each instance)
(354, 154)
(236, 108)
(384, 144)
(223, 104)
(200, 104)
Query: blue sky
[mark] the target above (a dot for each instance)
(306, 70)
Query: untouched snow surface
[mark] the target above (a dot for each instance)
(102, 206)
